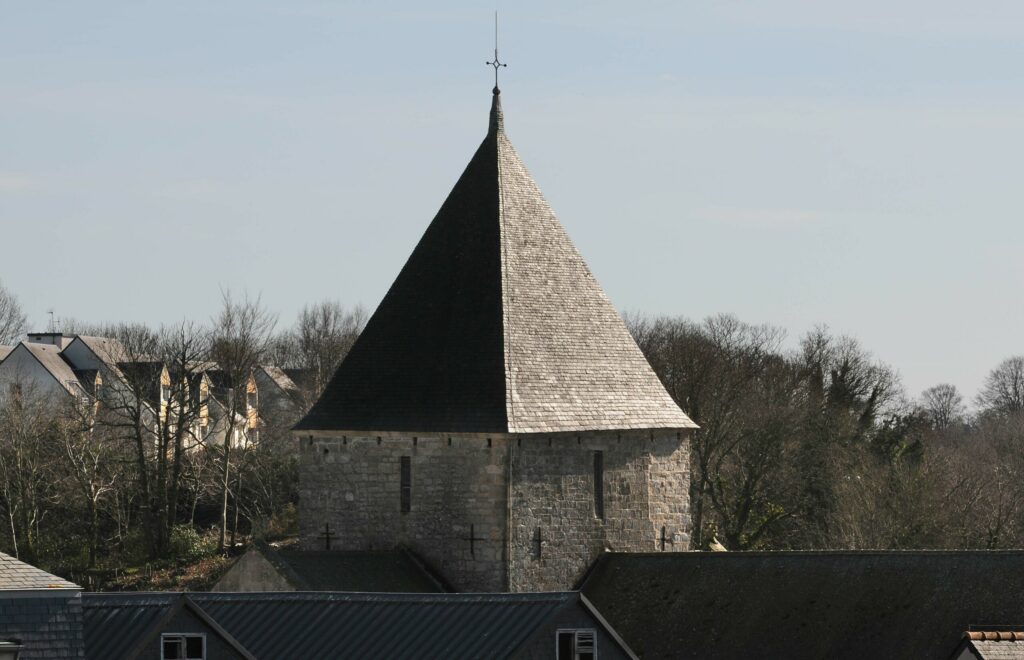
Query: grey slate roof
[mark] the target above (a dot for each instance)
(108, 350)
(280, 378)
(345, 570)
(16, 575)
(50, 358)
(842, 604)
(495, 324)
(994, 648)
(335, 625)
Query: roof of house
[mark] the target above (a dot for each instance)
(841, 604)
(16, 575)
(303, 378)
(343, 570)
(995, 645)
(280, 378)
(108, 350)
(495, 324)
(5, 351)
(50, 358)
(315, 625)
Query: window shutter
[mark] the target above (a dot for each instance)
(585, 645)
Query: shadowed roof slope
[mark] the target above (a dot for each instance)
(349, 570)
(495, 324)
(335, 625)
(841, 604)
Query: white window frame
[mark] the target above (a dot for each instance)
(182, 636)
(576, 641)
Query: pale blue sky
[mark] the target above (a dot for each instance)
(793, 162)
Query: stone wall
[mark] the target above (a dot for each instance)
(459, 490)
(646, 487)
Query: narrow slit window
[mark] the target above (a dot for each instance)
(599, 484)
(406, 496)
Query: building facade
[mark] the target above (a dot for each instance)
(495, 415)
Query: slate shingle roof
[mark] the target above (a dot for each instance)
(495, 324)
(839, 604)
(16, 575)
(280, 378)
(996, 645)
(50, 358)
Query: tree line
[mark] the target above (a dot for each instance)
(818, 447)
(822, 448)
(128, 475)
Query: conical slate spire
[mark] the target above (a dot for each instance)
(495, 324)
(497, 122)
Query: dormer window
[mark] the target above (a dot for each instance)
(576, 644)
(183, 647)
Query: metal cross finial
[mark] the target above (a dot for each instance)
(497, 64)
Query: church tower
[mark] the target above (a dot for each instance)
(495, 416)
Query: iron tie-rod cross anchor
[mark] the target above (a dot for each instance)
(327, 536)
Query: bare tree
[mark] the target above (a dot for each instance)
(181, 350)
(240, 341)
(90, 462)
(131, 408)
(943, 405)
(318, 342)
(1003, 389)
(12, 318)
(27, 480)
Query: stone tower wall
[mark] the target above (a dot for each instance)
(646, 487)
(354, 485)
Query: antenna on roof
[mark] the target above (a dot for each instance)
(497, 64)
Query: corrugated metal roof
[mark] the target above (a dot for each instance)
(336, 625)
